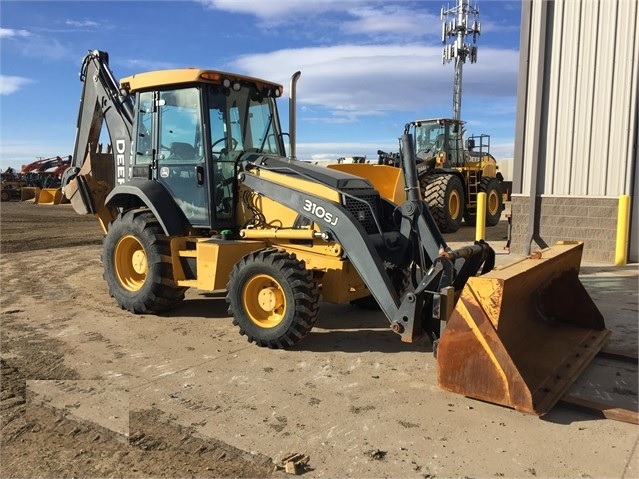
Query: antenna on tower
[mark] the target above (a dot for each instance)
(457, 30)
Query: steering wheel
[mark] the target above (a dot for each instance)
(424, 152)
(234, 143)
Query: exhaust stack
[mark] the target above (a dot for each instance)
(292, 114)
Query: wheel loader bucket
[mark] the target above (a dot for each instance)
(29, 194)
(388, 180)
(520, 335)
(50, 196)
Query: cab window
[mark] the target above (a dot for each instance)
(180, 133)
(143, 145)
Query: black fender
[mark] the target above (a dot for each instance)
(142, 192)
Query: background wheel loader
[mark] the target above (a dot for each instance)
(197, 191)
(40, 180)
(451, 173)
(10, 185)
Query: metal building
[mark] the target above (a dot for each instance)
(576, 128)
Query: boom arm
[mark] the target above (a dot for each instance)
(45, 164)
(101, 100)
(92, 175)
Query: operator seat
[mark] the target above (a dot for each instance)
(182, 151)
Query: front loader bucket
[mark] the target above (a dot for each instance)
(50, 196)
(520, 335)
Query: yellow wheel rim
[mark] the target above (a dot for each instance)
(454, 204)
(131, 265)
(264, 301)
(492, 203)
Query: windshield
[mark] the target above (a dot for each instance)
(243, 121)
(429, 137)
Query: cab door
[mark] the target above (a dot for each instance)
(181, 165)
(169, 145)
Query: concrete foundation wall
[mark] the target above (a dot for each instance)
(591, 220)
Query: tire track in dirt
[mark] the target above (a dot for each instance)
(51, 296)
(41, 441)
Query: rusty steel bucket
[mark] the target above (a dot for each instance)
(520, 335)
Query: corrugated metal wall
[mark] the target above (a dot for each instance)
(581, 91)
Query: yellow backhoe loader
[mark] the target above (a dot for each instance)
(197, 191)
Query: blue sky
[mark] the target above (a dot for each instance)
(368, 67)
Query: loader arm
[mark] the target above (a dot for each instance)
(443, 271)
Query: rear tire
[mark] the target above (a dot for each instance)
(494, 201)
(137, 264)
(444, 194)
(273, 298)
(5, 195)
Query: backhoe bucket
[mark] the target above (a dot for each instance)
(520, 335)
(98, 180)
(50, 196)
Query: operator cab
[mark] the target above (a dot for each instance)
(189, 138)
(440, 138)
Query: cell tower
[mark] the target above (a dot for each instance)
(458, 29)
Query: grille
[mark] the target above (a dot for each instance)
(363, 208)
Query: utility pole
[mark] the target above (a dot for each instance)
(458, 29)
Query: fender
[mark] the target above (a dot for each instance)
(138, 192)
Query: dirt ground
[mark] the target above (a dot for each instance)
(89, 390)
(41, 440)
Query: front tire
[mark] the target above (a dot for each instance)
(444, 194)
(273, 298)
(137, 264)
(400, 277)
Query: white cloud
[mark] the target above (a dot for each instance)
(358, 17)
(390, 20)
(34, 45)
(11, 33)
(277, 9)
(364, 80)
(82, 23)
(11, 84)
